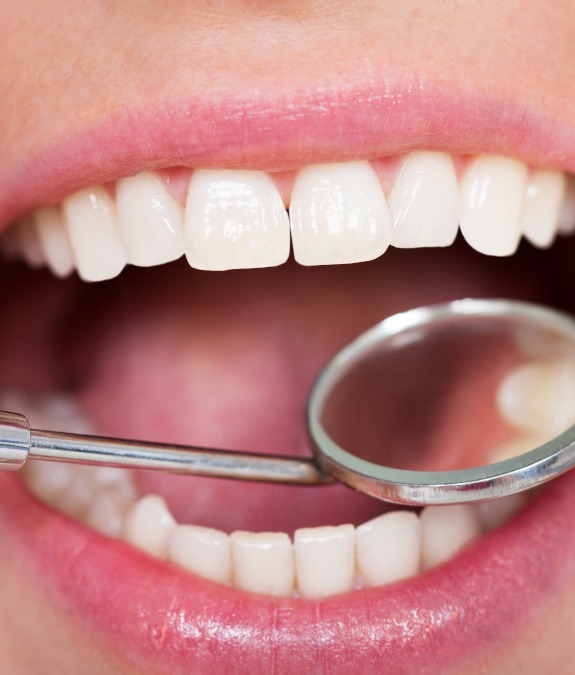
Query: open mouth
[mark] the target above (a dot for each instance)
(225, 359)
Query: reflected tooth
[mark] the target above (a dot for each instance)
(92, 228)
(108, 510)
(497, 512)
(338, 214)
(388, 548)
(539, 396)
(491, 202)
(150, 220)
(446, 530)
(234, 220)
(544, 196)
(324, 560)
(263, 562)
(29, 242)
(424, 201)
(566, 221)
(201, 550)
(54, 241)
(148, 525)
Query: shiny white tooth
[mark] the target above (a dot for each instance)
(388, 548)
(150, 220)
(29, 243)
(492, 193)
(445, 530)
(234, 220)
(324, 560)
(92, 227)
(53, 239)
(263, 562)
(539, 396)
(107, 511)
(496, 512)
(148, 524)
(566, 222)
(338, 214)
(424, 201)
(201, 550)
(544, 197)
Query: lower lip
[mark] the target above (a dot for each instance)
(160, 617)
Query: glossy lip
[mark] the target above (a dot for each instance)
(282, 133)
(163, 618)
(129, 599)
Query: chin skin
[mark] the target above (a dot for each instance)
(65, 69)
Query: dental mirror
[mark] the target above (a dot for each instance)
(453, 403)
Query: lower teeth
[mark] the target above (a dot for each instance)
(321, 561)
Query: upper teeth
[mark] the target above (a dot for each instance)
(339, 214)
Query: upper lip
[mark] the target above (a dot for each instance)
(275, 132)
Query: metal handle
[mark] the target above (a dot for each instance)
(18, 442)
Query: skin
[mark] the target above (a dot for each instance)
(65, 67)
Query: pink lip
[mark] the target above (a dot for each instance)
(163, 618)
(282, 133)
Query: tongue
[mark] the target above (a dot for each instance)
(226, 360)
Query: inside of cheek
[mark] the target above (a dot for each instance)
(227, 359)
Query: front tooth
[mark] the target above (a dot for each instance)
(496, 512)
(234, 220)
(92, 227)
(544, 197)
(54, 241)
(263, 562)
(338, 214)
(324, 560)
(491, 202)
(539, 396)
(151, 222)
(446, 530)
(148, 525)
(389, 547)
(201, 550)
(424, 200)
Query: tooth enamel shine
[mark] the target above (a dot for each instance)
(338, 214)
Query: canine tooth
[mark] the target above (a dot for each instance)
(539, 396)
(496, 512)
(91, 222)
(424, 200)
(324, 560)
(388, 548)
(566, 221)
(148, 525)
(53, 239)
(491, 202)
(446, 530)
(263, 562)
(201, 550)
(234, 220)
(338, 214)
(544, 196)
(150, 220)
(29, 242)
(108, 510)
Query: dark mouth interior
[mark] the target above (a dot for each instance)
(226, 359)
